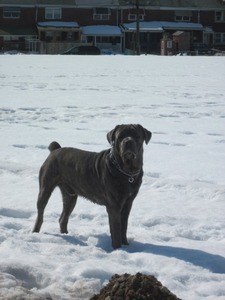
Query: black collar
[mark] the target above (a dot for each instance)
(131, 176)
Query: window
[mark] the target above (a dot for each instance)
(101, 13)
(182, 19)
(53, 13)
(219, 38)
(169, 44)
(11, 38)
(133, 17)
(11, 12)
(183, 16)
(220, 16)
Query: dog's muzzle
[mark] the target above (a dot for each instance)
(128, 150)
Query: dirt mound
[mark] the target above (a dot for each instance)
(134, 287)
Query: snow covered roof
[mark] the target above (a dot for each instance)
(58, 24)
(182, 25)
(160, 26)
(101, 30)
(144, 26)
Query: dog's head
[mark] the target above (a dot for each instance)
(127, 142)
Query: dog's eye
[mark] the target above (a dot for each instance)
(120, 138)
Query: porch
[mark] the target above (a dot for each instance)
(56, 36)
(19, 38)
(105, 37)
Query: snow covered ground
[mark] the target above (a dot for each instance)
(177, 224)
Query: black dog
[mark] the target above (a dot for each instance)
(111, 178)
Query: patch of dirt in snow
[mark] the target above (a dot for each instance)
(138, 287)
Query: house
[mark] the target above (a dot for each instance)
(53, 26)
(153, 32)
(17, 25)
(87, 14)
(202, 20)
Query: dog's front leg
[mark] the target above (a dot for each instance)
(124, 220)
(115, 226)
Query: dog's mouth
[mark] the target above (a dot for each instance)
(128, 157)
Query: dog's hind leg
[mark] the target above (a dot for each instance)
(69, 202)
(43, 197)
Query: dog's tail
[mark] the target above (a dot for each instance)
(53, 146)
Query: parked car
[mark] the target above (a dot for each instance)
(202, 49)
(83, 50)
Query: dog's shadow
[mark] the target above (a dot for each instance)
(212, 262)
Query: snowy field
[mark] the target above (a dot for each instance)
(177, 224)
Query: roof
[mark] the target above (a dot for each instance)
(84, 3)
(144, 26)
(160, 26)
(36, 2)
(16, 2)
(17, 30)
(178, 4)
(97, 3)
(58, 24)
(152, 4)
(101, 30)
(182, 25)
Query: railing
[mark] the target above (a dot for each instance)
(108, 46)
(57, 47)
(218, 52)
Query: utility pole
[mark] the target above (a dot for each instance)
(137, 29)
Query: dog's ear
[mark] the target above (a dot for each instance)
(147, 134)
(111, 135)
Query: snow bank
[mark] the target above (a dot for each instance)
(177, 225)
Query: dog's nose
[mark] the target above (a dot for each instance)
(130, 155)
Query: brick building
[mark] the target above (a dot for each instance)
(53, 26)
